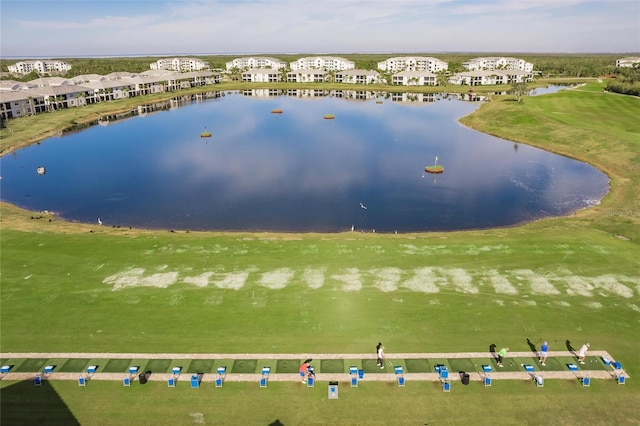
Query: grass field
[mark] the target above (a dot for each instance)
(82, 288)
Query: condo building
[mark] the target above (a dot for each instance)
(491, 63)
(179, 64)
(327, 63)
(413, 63)
(251, 62)
(41, 67)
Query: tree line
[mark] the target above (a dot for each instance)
(545, 65)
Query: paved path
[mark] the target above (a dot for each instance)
(387, 375)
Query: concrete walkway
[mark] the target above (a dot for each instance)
(388, 374)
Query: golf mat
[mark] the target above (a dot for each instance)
(332, 366)
(200, 366)
(74, 365)
(508, 364)
(594, 363)
(117, 366)
(244, 366)
(418, 366)
(462, 364)
(370, 366)
(288, 366)
(158, 365)
(31, 365)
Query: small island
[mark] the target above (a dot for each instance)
(434, 169)
(205, 134)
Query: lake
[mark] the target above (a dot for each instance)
(297, 171)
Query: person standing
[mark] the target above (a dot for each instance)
(582, 352)
(380, 355)
(543, 353)
(502, 353)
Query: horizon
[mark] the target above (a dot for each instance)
(118, 28)
(270, 54)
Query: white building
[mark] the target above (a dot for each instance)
(41, 67)
(354, 76)
(483, 78)
(261, 75)
(307, 76)
(628, 62)
(327, 63)
(490, 63)
(179, 64)
(414, 78)
(53, 93)
(252, 62)
(413, 63)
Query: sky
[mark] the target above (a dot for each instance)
(75, 28)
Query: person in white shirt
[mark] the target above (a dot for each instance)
(380, 355)
(582, 352)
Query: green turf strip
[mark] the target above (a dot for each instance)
(418, 366)
(117, 366)
(244, 366)
(200, 366)
(462, 364)
(74, 365)
(31, 365)
(332, 366)
(552, 364)
(158, 366)
(370, 366)
(287, 366)
(594, 363)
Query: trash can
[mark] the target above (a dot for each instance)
(465, 378)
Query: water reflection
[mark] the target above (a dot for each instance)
(296, 171)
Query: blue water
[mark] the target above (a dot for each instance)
(297, 171)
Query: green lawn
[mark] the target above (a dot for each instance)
(573, 279)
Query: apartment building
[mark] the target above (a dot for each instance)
(252, 62)
(327, 63)
(480, 78)
(490, 63)
(53, 93)
(414, 78)
(179, 64)
(308, 76)
(262, 75)
(413, 63)
(39, 66)
(355, 76)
